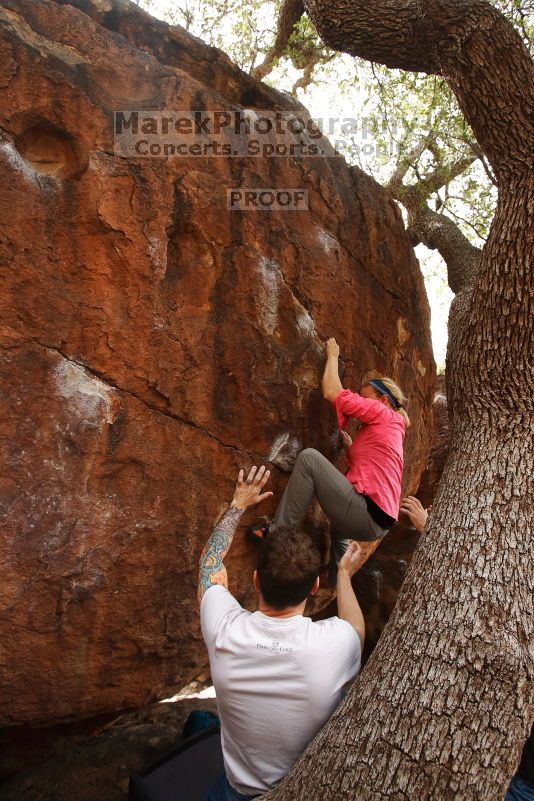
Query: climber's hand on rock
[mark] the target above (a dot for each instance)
(414, 509)
(248, 492)
(332, 348)
(351, 560)
(346, 440)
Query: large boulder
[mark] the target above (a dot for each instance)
(152, 342)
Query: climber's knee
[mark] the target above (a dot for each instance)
(308, 455)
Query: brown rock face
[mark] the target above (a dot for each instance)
(153, 341)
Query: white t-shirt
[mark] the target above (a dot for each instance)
(277, 683)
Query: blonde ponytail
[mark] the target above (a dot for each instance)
(399, 396)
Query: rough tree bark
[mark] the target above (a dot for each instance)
(444, 705)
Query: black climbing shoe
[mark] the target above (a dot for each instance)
(257, 531)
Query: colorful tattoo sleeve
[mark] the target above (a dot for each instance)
(211, 567)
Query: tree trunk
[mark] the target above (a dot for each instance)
(446, 701)
(439, 711)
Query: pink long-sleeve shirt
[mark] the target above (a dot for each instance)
(376, 455)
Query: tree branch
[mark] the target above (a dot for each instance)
(487, 170)
(290, 13)
(434, 230)
(409, 160)
(443, 174)
(307, 76)
(439, 232)
(469, 42)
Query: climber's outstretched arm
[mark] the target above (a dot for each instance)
(332, 386)
(247, 493)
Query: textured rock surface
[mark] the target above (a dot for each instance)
(152, 342)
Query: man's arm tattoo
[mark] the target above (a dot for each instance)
(211, 567)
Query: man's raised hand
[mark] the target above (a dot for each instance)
(248, 492)
(414, 509)
(351, 560)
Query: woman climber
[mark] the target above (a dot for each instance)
(364, 503)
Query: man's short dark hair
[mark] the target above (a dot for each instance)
(288, 564)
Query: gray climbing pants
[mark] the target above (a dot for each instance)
(346, 509)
